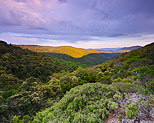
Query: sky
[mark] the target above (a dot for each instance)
(78, 23)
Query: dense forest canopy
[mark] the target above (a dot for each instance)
(90, 59)
(24, 63)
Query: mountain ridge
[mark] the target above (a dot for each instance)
(69, 50)
(118, 49)
(90, 59)
(127, 49)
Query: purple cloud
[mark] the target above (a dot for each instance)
(73, 20)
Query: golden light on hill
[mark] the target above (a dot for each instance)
(71, 51)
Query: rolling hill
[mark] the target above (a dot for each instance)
(106, 50)
(24, 63)
(118, 50)
(90, 59)
(126, 49)
(72, 54)
(71, 51)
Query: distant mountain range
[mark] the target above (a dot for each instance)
(68, 50)
(107, 49)
(127, 49)
(118, 50)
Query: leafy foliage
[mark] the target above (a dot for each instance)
(132, 70)
(89, 103)
(24, 63)
(90, 59)
(23, 75)
(9, 82)
(132, 110)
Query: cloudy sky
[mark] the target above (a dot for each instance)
(79, 23)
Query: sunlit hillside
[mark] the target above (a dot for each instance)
(72, 51)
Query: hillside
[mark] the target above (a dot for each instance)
(90, 59)
(106, 50)
(24, 63)
(118, 50)
(121, 89)
(71, 51)
(126, 49)
(41, 88)
(20, 71)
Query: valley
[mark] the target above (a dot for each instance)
(50, 87)
(76, 61)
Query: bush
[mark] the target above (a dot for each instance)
(132, 110)
(29, 83)
(9, 82)
(87, 103)
(128, 87)
(20, 119)
(120, 117)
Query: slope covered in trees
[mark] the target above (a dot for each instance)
(90, 59)
(122, 88)
(136, 65)
(71, 51)
(25, 63)
(72, 54)
(20, 70)
(128, 93)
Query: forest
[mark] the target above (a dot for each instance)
(44, 88)
(88, 60)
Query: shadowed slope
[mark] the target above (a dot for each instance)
(90, 59)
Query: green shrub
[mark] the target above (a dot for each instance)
(89, 103)
(21, 119)
(131, 111)
(3, 108)
(148, 104)
(120, 117)
(117, 79)
(16, 119)
(128, 86)
(112, 105)
(144, 91)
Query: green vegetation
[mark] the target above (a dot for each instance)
(134, 70)
(72, 54)
(39, 88)
(120, 117)
(24, 63)
(132, 110)
(89, 103)
(90, 59)
(23, 75)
